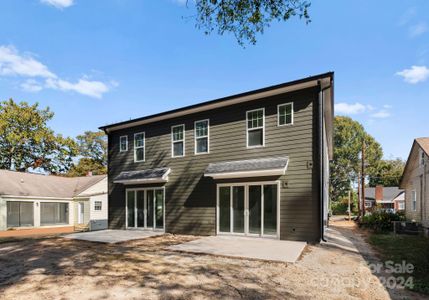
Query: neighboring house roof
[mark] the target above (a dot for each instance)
(274, 165)
(38, 185)
(143, 176)
(389, 193)
(422, 143)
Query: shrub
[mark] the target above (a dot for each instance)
(339, 208)
(381, 221)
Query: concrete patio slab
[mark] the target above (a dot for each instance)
(112, 236)
(244, 247)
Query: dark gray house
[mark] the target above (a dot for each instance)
(253, 164)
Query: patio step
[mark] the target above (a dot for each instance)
(81, 228)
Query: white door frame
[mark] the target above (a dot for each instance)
(80, 212)
(145, 189)
(246, 208)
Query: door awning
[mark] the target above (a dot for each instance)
(159, 175)
(273, 166)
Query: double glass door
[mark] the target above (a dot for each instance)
(248, 209)
(145, 208)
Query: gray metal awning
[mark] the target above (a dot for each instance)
(158, 175)
(273, 166)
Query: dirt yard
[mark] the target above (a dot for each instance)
(56, 268)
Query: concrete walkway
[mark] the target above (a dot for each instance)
(244, 247)
(112, 236)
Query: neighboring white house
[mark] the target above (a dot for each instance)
(29, 200)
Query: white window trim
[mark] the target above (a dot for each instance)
(182, 140)
(414, 200)
(95, 205)
(278, 114)
(263, 128)
(144, 147)
(206, 136)
(126, 143)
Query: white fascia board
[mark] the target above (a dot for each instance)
(272, 172)
(35, 197)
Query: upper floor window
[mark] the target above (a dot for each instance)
(139, 146)
(414, 200)
(255, 128)
(97, 205)
(178, 141)
(123, 143)
(285, 114)
(422, 158)
(202, 137)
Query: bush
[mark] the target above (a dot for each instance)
(381, 221)
(339, 208)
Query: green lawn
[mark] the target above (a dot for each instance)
(412, 249)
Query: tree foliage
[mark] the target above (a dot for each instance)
(389, 173)
(27, 142)
(93, 154)
(348, 137)
(247, 18)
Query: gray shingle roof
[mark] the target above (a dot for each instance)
(143, 175)
(389, 193)
(39, 185)
(259, 164)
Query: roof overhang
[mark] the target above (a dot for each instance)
(314, 81)
(143, 177)
(248, 168)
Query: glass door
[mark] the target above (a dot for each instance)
(250, 209)
(145, 208)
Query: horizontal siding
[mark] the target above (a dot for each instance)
(191, 198)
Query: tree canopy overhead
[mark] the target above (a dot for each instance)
(27, 142)
(247, 18)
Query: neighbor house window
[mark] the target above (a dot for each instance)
(255, 128)
(139, 146)
(414, 200)
(401, 205)
(97, 205)
(123, 143)
(19, 214)
(52, 213)
(202, 136)
(422, 158)
(178, 141)
(285, 114)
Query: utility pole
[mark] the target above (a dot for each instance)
(363, 177)
(358, 195)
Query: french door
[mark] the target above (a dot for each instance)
(250, 209)
(145, 208)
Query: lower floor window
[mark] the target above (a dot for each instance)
(20, 214)
(52, 213)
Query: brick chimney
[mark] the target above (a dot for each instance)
(379, 193)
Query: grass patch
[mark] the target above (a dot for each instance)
(411, 249)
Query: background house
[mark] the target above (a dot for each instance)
(41, 201)
(387, 198)
(415, 181)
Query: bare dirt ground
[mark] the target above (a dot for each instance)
(57, 268)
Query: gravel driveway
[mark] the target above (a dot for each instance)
(58, 268)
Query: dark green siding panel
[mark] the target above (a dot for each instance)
(191, 198)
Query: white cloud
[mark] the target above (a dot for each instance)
(418, 29)
(94, 89)
(407, 16)
(381, 114)
(415, 74)
(13, 63)
(31, 85)
(58, 3)
(350, 109)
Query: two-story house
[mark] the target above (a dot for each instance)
(252, 164)
(415, 181)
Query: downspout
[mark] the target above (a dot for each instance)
(321, 164)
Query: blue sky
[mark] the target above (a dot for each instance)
(102, 61)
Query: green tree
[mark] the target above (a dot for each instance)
(388, 173)
(93, 154)
(247, 18)
(27, 142)
(348, 137)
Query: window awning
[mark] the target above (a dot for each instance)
(274, 166)
(158, 175)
